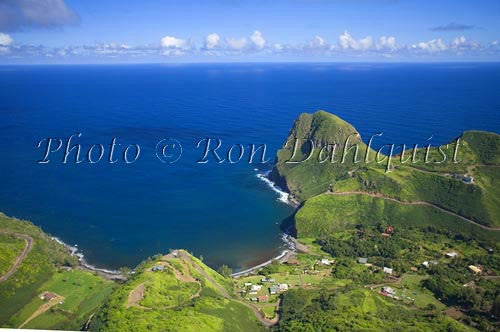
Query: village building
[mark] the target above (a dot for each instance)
(475, 269)
(293, 261)
(388, 290)
(47, 296)
(158, 268)
(283, 287)
(262, 298)
(363, 260)
(274, 290)
(414, 269)
(387, 270)
(248, 284)
(256, 287)
(326, 261)
(451, 254)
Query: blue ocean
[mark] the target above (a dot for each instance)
(120, 213)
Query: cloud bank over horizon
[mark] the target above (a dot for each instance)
(218, 47)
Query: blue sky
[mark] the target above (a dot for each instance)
(91, 31)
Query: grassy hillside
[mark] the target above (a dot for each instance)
(356, 309)
(186, 295)
(435, 179)
(312, 177)
(47, 267)
(325, 214)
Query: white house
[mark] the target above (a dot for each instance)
(283, 287)
(256, 287)
(387, 270)
(326, 261)
(451, 254)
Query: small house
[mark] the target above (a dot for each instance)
(274, 290)
(426, 264)
(256, 287)
(158, 268)
(388, 290)
(414, 269)
(475, 269)
(451, 254)
(254, 299)
(262, 298)
(47, 296)
(326, 261)
(363, 260)
(283, 287)
(248, 284)
(387, 270)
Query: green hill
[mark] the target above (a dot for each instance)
(439, 182)
(312, 177)
(43, 265)
(176, 292)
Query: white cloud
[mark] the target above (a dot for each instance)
(172, 42)
(346, 41)
(365, 43)
(388, 43)
(236, 44)
(212, 41)
(278, 47)
(5, 39)
(317, 42)
(5, 42)
(434, 45)
(258, 41)
(462, 43)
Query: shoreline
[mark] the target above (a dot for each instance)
(84, 265)
(289, 241)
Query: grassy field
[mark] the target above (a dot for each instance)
(83, 292)
(43, 270)
(178, 298)
(10, 247)
(410, 291)
(37, 268)
(325, 214)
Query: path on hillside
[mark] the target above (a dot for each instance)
(43, 308)
(21, 256)
(225, 293)
(378, 195)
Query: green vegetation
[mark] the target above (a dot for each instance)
(10, 247)
(306, 179)
(48, 266)
(354, 309)
(172, 293)
(325, 214)
(438, 181)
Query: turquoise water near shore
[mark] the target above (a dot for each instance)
(119, 214)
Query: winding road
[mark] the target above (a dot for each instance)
(225, 293)
(20, 257)
(377, 195)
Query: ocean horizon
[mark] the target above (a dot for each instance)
(119, 214)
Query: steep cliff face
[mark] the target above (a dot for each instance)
(319, 150)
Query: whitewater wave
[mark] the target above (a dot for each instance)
(283, 196)
(81, 258)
